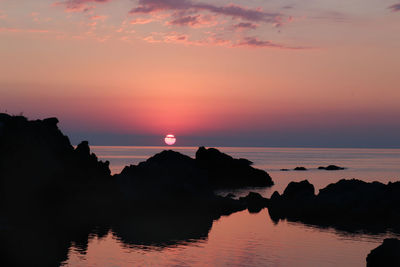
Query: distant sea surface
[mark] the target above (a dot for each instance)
(244, 239)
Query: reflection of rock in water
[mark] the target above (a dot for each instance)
(162, 229)
(42, 241)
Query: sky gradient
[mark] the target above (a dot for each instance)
(214, 73)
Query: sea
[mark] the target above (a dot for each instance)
(253, 239)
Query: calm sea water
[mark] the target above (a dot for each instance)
(244, 239)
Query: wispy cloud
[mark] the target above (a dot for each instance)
(141, 21)
(98, 17)
(222, 20)
(196, 21)
(395, 7)
(245, 25)
(79, 5)
(256, 42)
(234, 11)
(227, 25)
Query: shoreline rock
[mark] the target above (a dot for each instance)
(348, 204)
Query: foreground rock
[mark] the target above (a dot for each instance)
(331, 168)
(386, 255)
(40, 168)
(51, 194)
(347, 204)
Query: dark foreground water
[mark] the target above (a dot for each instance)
(244, 239)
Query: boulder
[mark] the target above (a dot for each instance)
(300, 169)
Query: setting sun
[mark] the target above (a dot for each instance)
(170, 139)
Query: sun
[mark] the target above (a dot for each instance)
(170, 139)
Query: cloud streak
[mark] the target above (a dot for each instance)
(79, 5)
(245, 25)
(395, 7)
(195, 21)
(257, 43)
(234, 11)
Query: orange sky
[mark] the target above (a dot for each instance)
(204, 68)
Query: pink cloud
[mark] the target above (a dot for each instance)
(169, 37)
(141, 21)
(79, 5)
(98, 17)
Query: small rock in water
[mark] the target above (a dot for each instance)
(331, 168)
(300, 169)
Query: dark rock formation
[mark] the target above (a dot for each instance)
(386, 255)
(53, 195)
(39, 166)
(49, 192)
(300, 169)
(223, 171)
(351, 204)
(171, 175)
(172, 180)
(331, 168)
(284, 170)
